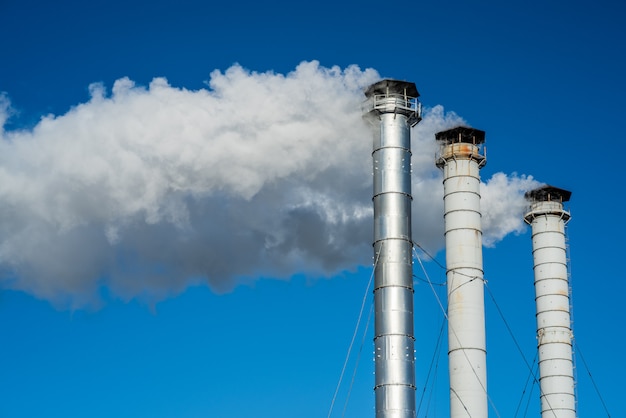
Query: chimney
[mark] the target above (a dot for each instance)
(461, 159)
(547, 219)
(393, 106)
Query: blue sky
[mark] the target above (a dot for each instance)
(153, 293)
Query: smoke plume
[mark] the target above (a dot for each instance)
(145, 190)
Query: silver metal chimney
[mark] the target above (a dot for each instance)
(461, 159)
(393, 105)
(547, 219)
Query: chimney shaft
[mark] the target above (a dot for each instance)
(461, 160)
(547, 219)
(393, 106)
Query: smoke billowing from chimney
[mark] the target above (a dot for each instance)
(148, 189)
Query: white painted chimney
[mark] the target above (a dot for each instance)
(547, 219)
(461, 159)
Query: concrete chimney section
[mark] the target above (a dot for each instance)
(393, 106)
(461, 159)
(547, 219)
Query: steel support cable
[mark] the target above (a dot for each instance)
(358, 358)
(591, 377)
(472, 278)
(415, 244)
(356, 329)
(528, 379)
(530, 396)
(445, 269)
(421, 279)
(519, 348)
(430, 397)
(439, 340)
(460, 400)
(445, 314)
(508, 328)
(430, 368)
(499, 311)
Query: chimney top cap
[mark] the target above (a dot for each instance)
(461, 134)
(388, 85)
(548, 193)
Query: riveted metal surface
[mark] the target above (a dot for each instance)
(392, 168)
(395, 360)
(393, 274)
(394, 251)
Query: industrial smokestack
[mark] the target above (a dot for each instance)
(547, 219)
(461, 159)
(393, 105)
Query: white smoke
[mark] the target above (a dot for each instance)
(149, 189)
(503, 205)
(5, 110)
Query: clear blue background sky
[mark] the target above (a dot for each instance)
(545, 80)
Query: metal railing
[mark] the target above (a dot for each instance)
(395, 103)
(384, 101)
